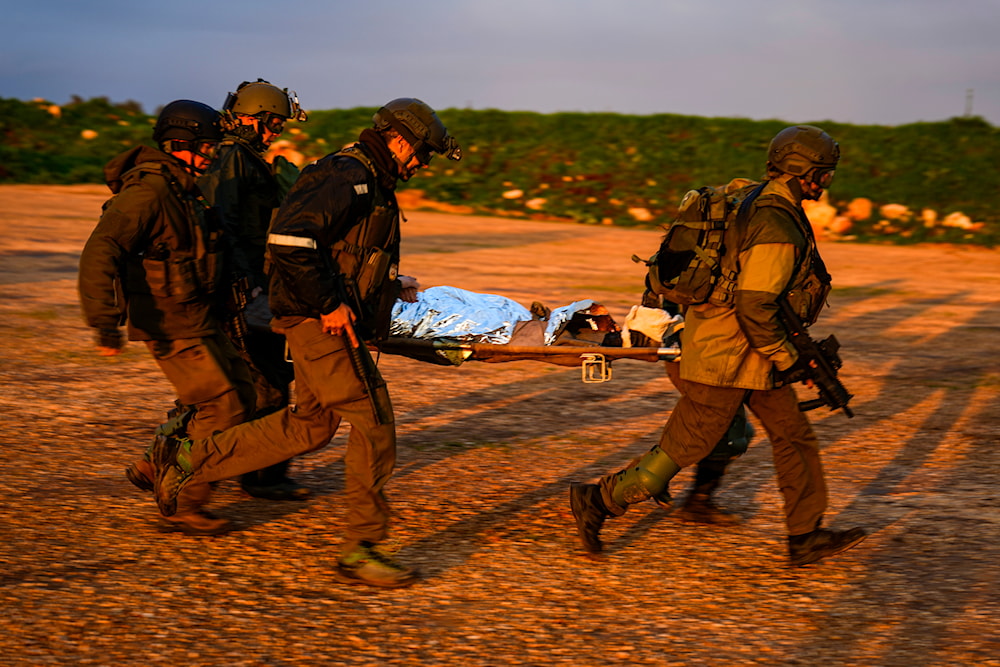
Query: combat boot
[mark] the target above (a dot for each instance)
(141, 474)
(700, 508)
(589, 511)
(168, 456)
(365, 564)
(273, 483)
(820, 543)
(197, 523)
(285, 489)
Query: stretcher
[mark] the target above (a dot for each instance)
(594, 361)
(449, 326)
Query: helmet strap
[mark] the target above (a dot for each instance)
(174, 146)
(252, 134)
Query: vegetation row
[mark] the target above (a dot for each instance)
(904, 184)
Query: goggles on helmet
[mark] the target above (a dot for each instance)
(823, 177)
(274, 123)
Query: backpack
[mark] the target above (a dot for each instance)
(691, 266)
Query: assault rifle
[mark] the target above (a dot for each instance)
(361, 358)
(819, 361)
(237, 323)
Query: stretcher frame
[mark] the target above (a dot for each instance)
(594, 360)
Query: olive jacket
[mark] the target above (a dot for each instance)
(154, 258)
(742, 345)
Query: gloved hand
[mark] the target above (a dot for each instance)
(800, 371)
(109, 342)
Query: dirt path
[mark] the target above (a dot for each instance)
(486, 455)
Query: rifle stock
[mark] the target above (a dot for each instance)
(236, 326)
(361, 358)
(822, 361)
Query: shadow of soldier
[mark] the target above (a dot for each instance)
(931, 503)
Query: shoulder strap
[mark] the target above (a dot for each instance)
(817, 265)
(723, 293)
(744, 209)
(355, 152)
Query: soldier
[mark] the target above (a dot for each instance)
(699, 505)
(154, 260)
(740, 354)
(334, 252)
(247, 189)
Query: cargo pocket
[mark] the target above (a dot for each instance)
(326, 366)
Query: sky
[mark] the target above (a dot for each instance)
(882, 62)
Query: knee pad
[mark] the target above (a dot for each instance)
(645, 478)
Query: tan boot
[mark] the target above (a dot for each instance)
(191, 518)
(366, 564)
(197, 523)
(821, 543)
(141, 474)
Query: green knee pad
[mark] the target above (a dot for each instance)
(646, 478)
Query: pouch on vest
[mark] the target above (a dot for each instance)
(373, 272)
(691, 266)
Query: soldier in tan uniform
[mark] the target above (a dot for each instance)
(739, 354)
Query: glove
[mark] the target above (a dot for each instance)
(109, 338)
(800, 371)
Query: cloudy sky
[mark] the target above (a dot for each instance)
(886, 62)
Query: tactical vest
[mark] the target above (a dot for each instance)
(367, 268)
(186, 263)
(809, 285)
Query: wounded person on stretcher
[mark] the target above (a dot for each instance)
(455, 314)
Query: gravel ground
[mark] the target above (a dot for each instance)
(487, 452)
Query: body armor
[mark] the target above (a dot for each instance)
(186, 264)
(365, 257)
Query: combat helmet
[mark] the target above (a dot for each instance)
(419, 125)
(801, 149)
(186, 121)
(186, 125)
(261, 97)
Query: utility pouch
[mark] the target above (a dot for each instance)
(373, 272)
(809, 299)
(164, 278)
(184, 281)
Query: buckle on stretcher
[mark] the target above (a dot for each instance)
(595, 369)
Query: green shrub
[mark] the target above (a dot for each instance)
(592, 168)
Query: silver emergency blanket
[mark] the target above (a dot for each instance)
(560, 316)
(457, 314)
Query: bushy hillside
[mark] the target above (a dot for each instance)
(917, 182)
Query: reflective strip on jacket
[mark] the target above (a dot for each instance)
(330, 200)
